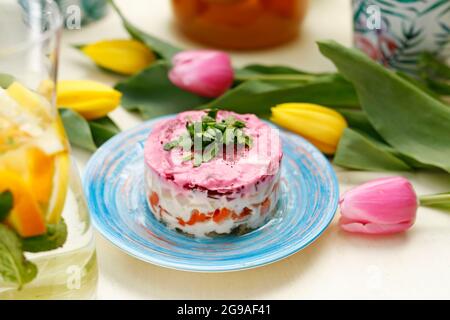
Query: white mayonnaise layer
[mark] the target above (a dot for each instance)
(173, 204)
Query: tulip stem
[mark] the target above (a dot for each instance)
(440, 200)
(279, 77)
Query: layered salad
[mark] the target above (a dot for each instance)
(213, 172)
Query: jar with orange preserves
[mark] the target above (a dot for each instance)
(240, 24)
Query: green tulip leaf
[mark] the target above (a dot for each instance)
(360, 151)
(256, 96)
(163, 49)
(435, 73)
(411, 121)
(151, 93)
(275, 72)
(102, 130)
(357, 119)
(419, 84)
(77, 129)
(439, 201)
(85, 134)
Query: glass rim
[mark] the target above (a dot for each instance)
(55, 27)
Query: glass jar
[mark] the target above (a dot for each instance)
(46, 241)
(240, 24)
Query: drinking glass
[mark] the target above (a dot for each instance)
(46, 241)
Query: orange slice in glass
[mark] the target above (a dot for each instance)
(26, 216)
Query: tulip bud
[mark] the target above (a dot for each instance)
(207, 73)
(121, 56)
(382, 206)
(90, 99)
(322, 126)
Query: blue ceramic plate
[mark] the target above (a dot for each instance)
(114, 187)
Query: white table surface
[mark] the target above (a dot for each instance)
(415, 264)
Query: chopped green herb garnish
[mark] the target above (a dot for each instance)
(248, 141)
(212, 113)
(239, 124)
(212, 134)
(170, 145)
(187, 156)
(198, 159)
(208, 120)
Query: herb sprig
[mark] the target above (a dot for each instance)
(204, 139)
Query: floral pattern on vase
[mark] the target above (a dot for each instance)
(406, 29)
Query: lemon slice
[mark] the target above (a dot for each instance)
(60, 187)
(32, 113)
(30, 101)
(12, 111)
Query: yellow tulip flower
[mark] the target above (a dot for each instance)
(90, 99)
(122, 56)
(322, 126)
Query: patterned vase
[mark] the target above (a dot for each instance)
(91, 10)
(77, 12)
(396, 32)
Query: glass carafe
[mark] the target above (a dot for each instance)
(46, 241)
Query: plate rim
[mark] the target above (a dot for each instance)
(130, 250)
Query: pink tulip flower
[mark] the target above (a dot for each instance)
(381, 206)
(207, 73)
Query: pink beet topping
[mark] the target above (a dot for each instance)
(261, 160)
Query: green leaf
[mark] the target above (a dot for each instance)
(358, 122)
(102, 130)
(411, 121)
(161, 48)
(87, 134)
(5, 80)
(275, 72)
(357, 119)
(77, 129)
(434, 67)
(440, 87)
(258, 97)
(152, 94)
(55, 238)
(439, 201)
(14, 268)
(362, 152)
(6, 204)
(420, 85)
(435, 74)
